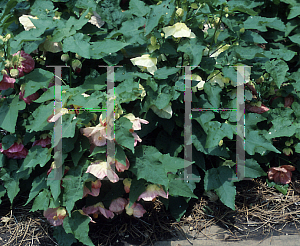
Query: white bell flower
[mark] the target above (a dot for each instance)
(145, 61)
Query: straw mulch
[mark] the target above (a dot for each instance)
(260, 210)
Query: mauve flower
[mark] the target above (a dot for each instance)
(98, 208)
(100, 169)
(24, 62)
(256, 109)
(136, 138)
(152, 191)
(127, 184)
(136, 121)
(44, 141)
(53, 118)
(120, 167)
(288, 101)
(7, 82)
(136, 210)
(117, 205)
(16, 151)
(30, 98)
(282, 174)
(55, 215)
(95, 189)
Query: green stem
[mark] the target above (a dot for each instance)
(216, 28)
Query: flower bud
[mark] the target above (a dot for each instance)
(242, 30)
(4, 71)
(64, 57)
(76, 65)
(14, 73)
(194, 5)
(180, 12)
(7, 37)
(153, 40)
(287, 151)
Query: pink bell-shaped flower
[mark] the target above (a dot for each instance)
(117, 205)
(152, 191)
(55, 215)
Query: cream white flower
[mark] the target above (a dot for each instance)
(178, 30)
(216, 77)
(145, 61)
(96, 20)
(26, 22)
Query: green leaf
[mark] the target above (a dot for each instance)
(148, 159)
(253, 37)
(38, 184)
(78, 43)
(36, 155)
(103, 48)
(295, 38)
(177, 206)
(253, 169)
(120, 155)
(138, 8)
(260, 23)
(218, 179)
(172, 164)
(137, 187)
(178, 187)
(91, 102)
(295, 11)
(73, 188)
(68, 28)
(39, 8)
(9, 114)
(282, 127)
(41, 202)
(54, 180)
(12, 186)
(79, 225)
(165, 72)
(2, 192)
(297, 148)
(162, 12)
(277, 69)
(37, 79)
(254, 141)
(216, 132)
(40, 115)
(63, 238)
(123, 136)
(213, 94)
(8, 141)
(193, 48)
(68, 125)
(281, 188)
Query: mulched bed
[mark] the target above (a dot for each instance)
(260, 210)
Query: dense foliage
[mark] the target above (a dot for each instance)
(148, 42)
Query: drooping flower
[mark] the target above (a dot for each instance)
(76, 65)
(120, 167)
(136, 121)
(178, 30)
(7, 82)
(152, 191)
(44, 141)
(101, 169)
(136, 138)
(256, 109)
(98, 208)
(16, 151)
(287, 151)
(136, 210)
(127, 184)
(145, 62)
(95, 189)
(55, 215)
(288, 101)
(117, 205)
(282, 174)
(91, 220)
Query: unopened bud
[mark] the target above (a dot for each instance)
(180, 12)
(153, 40)
(77, 56)
(194, 6)
(7, 37)
(76, 64)
(14, 73)
(64, 57)
(242, 30)
(4, 71)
